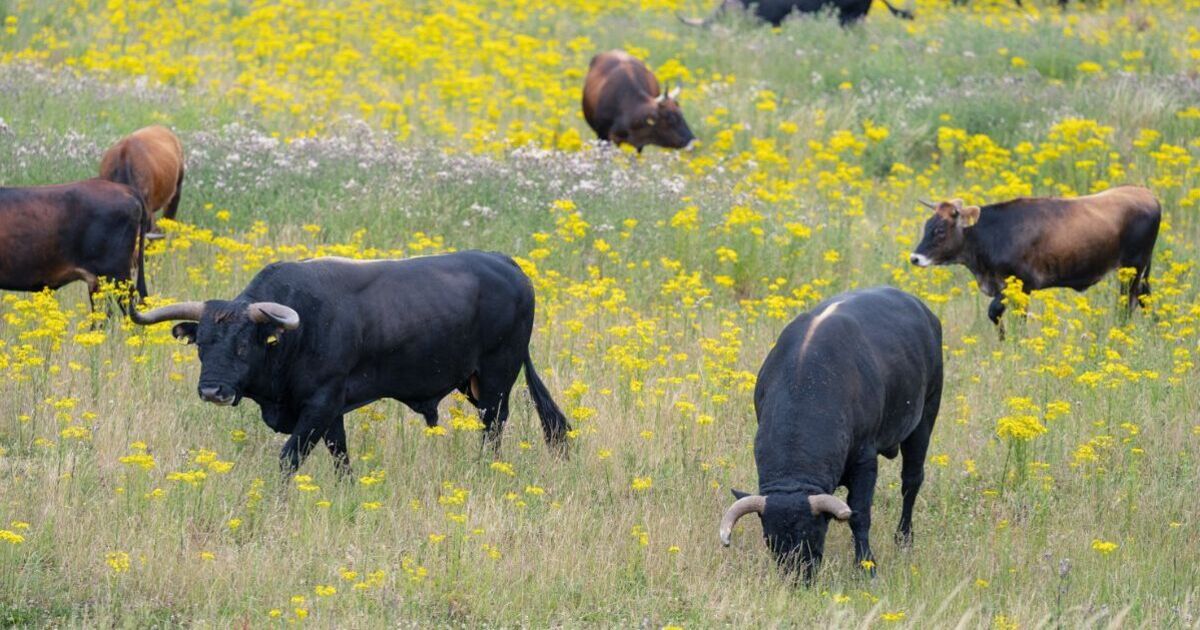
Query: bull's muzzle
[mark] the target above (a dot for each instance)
(217, 394)
(919, 260)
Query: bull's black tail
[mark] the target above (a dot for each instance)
(900, 13)
(143, 227)
(554, 423)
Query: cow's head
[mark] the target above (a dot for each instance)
(794, 525)
(943, 240)
(660, 121)
(233, 339)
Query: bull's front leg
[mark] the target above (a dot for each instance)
(995, 311)
(316, 418)
(861, 483)
(335, 441)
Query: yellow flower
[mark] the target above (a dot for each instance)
(1104, 547)
(641, 484)
(11, 537)
(118, 561)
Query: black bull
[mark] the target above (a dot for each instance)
(857, 377)
(775, 11)
(314, 340)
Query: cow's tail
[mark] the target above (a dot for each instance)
(143, 227)
(900, 13)
(554, 423)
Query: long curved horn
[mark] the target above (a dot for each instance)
(740, 508)
(264, 312)
(694, 21)
(830, 505)
(187, 311)
(725, 4)
(928, 204)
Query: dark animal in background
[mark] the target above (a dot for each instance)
(857, 377)
(1046, 242)
(54, 235)
(149, 160)
(775, 11)
(1061, 3)
(622, 104)
(312, 341)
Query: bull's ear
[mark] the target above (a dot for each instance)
(185, 331)
(970, 215)
(738, 494)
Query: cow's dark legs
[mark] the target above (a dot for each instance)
(316, 418)
(995, 311)
(492, 385)
(912, 469)
(335, 441)
(862, 491)
(173, 204)
(494, 417)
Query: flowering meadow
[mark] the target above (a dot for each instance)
(1061, 483)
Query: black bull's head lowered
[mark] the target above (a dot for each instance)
(232, 339)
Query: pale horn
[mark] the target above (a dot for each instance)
(267, 312)
(187, 311)
(830, 505)
(741, 507)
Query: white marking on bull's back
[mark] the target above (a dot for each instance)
(816, 321)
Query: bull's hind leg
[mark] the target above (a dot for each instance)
(912, 471)
(173, 204)
(492, 386)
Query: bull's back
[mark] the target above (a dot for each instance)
(877, 350)
(613, 78)
(415, 304)
(1070, 241)
(47, 232)
(149, 159)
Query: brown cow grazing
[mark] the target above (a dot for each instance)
(54, 235)
(1046, 242)
(622, 103)
(150, 160)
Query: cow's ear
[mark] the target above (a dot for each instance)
(738, 494)
(969, 215)
(185, 331)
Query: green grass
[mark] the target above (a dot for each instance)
(1002, 533)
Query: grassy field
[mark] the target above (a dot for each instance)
(1061, 486)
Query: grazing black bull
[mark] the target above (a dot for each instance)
(775, 11)
(314, 340)
(1046, 242)
(857, 377)
(54, 235)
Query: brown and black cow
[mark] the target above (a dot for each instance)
(622, 103)
(149, 160)
(1046, 242)
(54, 235)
